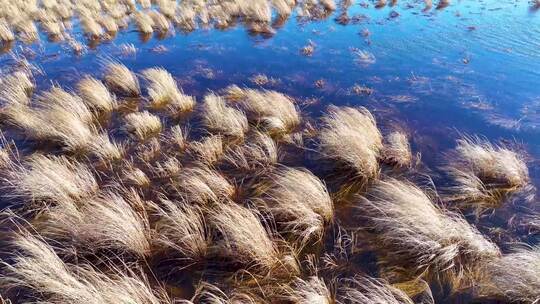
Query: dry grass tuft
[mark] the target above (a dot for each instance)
(209, 150)
(16, 88)
(142, 126)
(397, 150)
(163, 91)
(182, 228)
(514, 277)
(106, 222)
(51, 179)
(91, 27)
(244, 239)
(6, 34)
(160, 22)
(483, 174)
(219, 118)
(202, 185)
(38, 268)
(144, 23)
(350, 135)
(311, 291)
(96, 95)
(273, 111)
(298, 201)
(259, 152)
(369, 290)
(121, 79)
(420, 238)
(109, 24)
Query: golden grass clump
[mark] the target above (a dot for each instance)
(244, 239)
(105, 222)
(397, 150)
(313, 290)
(273, 111)
(121, 79)
(328, 4)
(60, 117)
(419, 238)
(91, 27)
(6, 34)
(96, 95)
(361, 289)
(514, 277)
(16, 88)
(350, 135)
(53, 28)
(163, 91)
(26, 30)
(492, 164)
(260, 151)
(202, 185)
(356, 290)
(109, 24)
(483, 173)
(182, 228)
(142, 125)
(298, 201)
(37, 268)
(51, 179)
(145, 23)
(219, 118)
(161, 23)
(209, 150)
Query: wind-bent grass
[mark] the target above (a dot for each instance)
(161, 23)
(106, 222)
(91, 27)
(351, 136)
(163, 91)
(209, 150)
(38, 268)
(182, 228)
(15, 89)
(6, 34)
(514, 277)
(368, 290)
(144, 23)
(109, 24)
(420, 238)
(202, 186)
(397, 150)
(142, 126)
(298, 201)
(482, 173)
(273, 111)
(259, 152)
(313, 290)
(219, 118)
(244, 239)
(51, 179)
(119, 78)
(96, 95)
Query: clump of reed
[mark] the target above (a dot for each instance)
(91, 27)
(350, 136)
(163, 91)
(483, 173)
(219, 118)
(202, 186)
(259, 152)
(16, 88)
(209, 150)
(121, 79)
(298, 201)
(37, 268)
(6, 34)
(96, 95)
(50, 179)
(245, 241)
(182, 229)
(145, 23)
(142, 125)
(396, 150)
(272, 111)
(359, 289)
(417, 238)
(514, 277)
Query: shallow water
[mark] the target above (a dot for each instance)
(471, 68)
